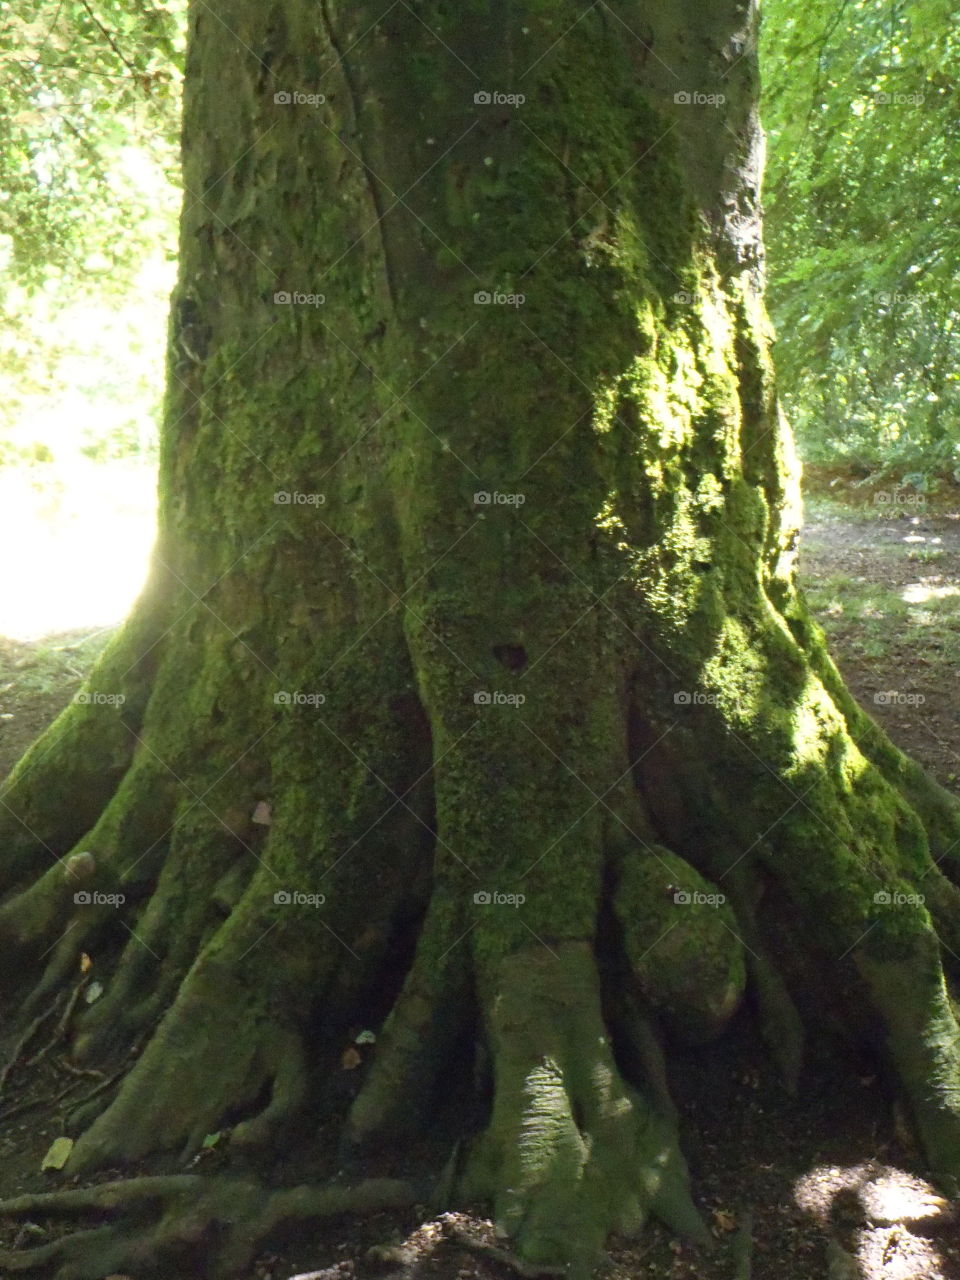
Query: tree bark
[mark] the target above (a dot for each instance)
(472, 697)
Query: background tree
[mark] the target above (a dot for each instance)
(471, 698)
(864, 121)
(89, 120)
(84, 85)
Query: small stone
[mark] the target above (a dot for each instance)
(79, 866)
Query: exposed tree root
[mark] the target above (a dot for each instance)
(27, 1038)
(922, 1039)
(213, 1053)
(166, 938)
(213, 1226)
(571, 1153)
(414, 1043)
(530, 1271)
(63, 1023)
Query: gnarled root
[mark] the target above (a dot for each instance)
(188, 1223)
(213, 1053)
(571, 1153)
(415, 1041)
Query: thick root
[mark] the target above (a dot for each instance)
(923, 1042)
(571, 1153)
(179, 1225)
(60, 787)
(214, 1054)
(415, 1041)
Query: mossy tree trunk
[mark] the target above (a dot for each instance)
(471, 696)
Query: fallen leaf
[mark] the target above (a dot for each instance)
(261, 814)
(725, 1221)
(58, 1155)
(350, 1059)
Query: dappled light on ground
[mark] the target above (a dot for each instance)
(921, 592)
(883, 1222)
(77, 542)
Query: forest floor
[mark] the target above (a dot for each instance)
(827, 1186)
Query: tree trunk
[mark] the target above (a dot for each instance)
(471, 693)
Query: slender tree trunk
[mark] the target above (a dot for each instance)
(471, 693)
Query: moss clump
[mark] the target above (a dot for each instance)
(681, 941)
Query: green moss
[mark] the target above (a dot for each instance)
(681, 942)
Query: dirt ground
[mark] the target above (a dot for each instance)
(826, 1186)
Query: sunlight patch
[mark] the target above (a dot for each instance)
(78, 542)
